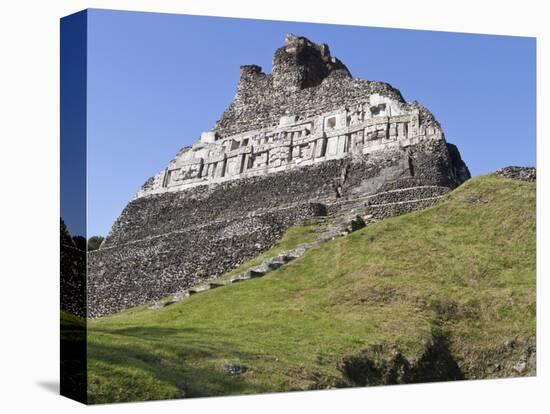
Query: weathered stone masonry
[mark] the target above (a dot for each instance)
(73, 274)
(518, 173)
(306, 140)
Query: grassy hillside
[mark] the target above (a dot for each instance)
(444, 293)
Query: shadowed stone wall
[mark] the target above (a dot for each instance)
(73, 275)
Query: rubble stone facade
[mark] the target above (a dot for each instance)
(72, 266)
(518, 173)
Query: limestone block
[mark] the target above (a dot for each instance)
(320, 147)
(234, 165)
(169, 176)
(209, 169)
(306, 151)
(334, 121)
(384, 105)
(413, 127)
(342, 139)
(355, 115)
(260, 160)
(278, 155)
(357, 142)
(208, 137)
(189, 171)
(287, 120)
(232, 144)
(402, 129)
(332, 146)
(220, 169)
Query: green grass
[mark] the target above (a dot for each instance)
(465, 266)
(70, 321)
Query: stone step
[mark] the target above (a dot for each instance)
(275, 264)
(285, 257)
(301, 249)
(240, 277)
(330, 235)
(258, 272)
(198, 289)
(218, 283)
(267, 266)
(168, 303)
(293, 256)
(181, 295)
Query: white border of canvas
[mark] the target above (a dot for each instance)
(29, 206)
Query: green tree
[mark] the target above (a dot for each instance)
(94, 242)
(80, 242)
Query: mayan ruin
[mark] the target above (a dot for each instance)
(308, 140)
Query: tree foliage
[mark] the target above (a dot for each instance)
(80, 242)
(94, 242)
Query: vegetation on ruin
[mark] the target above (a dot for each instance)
(463, 269)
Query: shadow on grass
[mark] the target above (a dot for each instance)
(73, 370)
(151, 363)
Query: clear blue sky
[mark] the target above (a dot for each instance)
(155, 81)
(73, 122)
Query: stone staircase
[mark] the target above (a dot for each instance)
(257, 271)
(337, 226)
(346, 218)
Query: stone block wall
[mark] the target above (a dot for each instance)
(73, 275)
(166, 242)
(161, 213)
(136, 272)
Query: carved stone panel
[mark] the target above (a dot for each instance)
(279, 156)
(260, 160)
(332, 146)
(357, 142)
(220, 169)
(376, 131)
(342, 139)
(356, 115)
(170, 174)
(393, 130)
(233, 166)
(402, 128)
(320, 147)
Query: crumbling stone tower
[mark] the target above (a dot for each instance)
(301, 64)
(307, 139)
